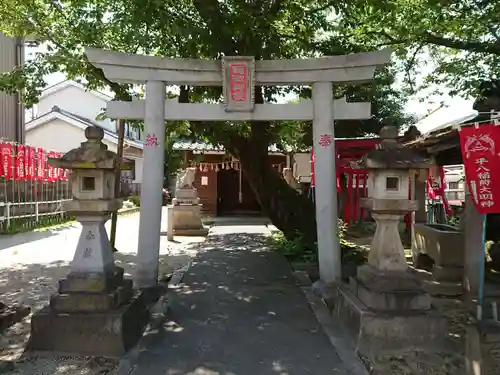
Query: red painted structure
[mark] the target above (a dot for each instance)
(356, 179)
(351, 150)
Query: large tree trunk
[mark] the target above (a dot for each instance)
(288, 210)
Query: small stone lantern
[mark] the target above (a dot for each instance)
(391, 308)
(388, 200)
(94, 296)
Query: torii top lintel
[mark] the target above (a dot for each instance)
(131, 68)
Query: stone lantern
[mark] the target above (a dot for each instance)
(95, 311)
(389, 169)
(391, 308)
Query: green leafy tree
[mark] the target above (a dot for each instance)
(266, 29)
(456, 41)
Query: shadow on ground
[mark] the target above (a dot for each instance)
(33, 284)
(239, 311)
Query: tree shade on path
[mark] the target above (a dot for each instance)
(239, 311)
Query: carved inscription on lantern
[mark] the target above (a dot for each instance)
(238, 73)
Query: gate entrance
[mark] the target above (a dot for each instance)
(238, 76)
(231, 201)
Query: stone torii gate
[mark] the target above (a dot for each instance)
(238, 75)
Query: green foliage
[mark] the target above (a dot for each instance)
(294, 249)
(456, 42)
(342, 227)
(173, 158)
(135, 200)
(298, 249)
(205, 29)
(453, 221)
(267, 29)
(26, 224)
(361, 229)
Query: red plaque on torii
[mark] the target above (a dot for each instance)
(238, 83)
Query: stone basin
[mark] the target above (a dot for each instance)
(445, 244)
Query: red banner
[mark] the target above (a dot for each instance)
(41, 164)
(480, 155)
(436, 187)
(31, 173)
(27, 162)
(52, 171)
(20, 163)
(63, 173)
(7, 161)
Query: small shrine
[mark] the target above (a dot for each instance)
(184, 214)
(95, 311)
(385, 304)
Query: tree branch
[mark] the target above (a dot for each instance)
(322, 8)
(471, 46)
(410, 64)
(120, 91)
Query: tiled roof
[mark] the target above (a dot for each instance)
(207, 147)
(341, 144)
(196, 146)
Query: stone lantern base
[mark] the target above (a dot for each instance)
(93, 314)
(96, 311)
(185, 214)
(385, 305)
(387, 331)
(389, 291)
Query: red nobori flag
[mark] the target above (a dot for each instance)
(31, 174)
(52, 171)
(63, 173)
(41, 164)
(480, 152)
(27, 162)
(7, 160)
(20, 172)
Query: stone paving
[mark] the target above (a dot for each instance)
(32, 263)
(238, 311)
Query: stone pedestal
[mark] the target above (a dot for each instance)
(390, 331)
(385, 305)
(482, 349)
(390, 291)
(93, 314)
(185, 213)
(95, 311)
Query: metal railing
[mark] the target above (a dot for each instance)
(26, 204)
(32, 193)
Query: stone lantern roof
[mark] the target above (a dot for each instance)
(392, 154)
(92, 154)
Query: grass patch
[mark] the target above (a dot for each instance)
(297, 250)
(45, 223)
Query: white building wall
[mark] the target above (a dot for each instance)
(78, 101)
(67, 137)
